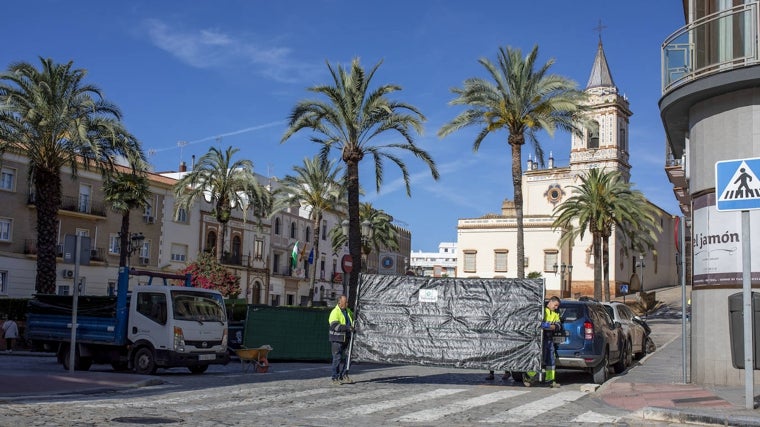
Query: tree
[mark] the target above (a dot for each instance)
(126, 191)
(602, 202)
(522, 100)
(57, 120)
(207, 273)
(225, 184)
(349, 120)
(318, 187)
(383, 233)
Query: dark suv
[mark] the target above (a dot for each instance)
(590, 339)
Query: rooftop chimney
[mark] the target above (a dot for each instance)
(182, 167)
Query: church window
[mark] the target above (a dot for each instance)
(550, 260)
(592, 135)
(622, 143)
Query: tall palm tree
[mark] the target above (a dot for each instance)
(57, 120)
(318, 187)
(126, 191)
(225, 184)
(602, 203)
(348, 120)
(523, 100)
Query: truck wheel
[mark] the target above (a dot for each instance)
(198, 369)
(600, 372)
(80, 363)
(145, 361)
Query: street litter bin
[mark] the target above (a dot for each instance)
(736, 328)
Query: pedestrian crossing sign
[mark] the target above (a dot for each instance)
(737, 187)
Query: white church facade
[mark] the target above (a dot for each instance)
(487, 245)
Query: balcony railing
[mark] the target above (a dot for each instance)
(719, 42)
(76, 204)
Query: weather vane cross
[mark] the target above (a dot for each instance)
(599, 28)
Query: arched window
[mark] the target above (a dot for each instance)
(277, 226)
(236, 244)
(622, 143)
(592, 135)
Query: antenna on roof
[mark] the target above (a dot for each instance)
(181, 145)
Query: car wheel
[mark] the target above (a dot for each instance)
(626, 359)
(600, 372)
(145, 361)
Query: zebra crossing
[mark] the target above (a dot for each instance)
(362, 404)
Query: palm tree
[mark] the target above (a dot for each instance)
(318, 187)
(225, 184)
(56, 120)
(349, 120)
(523, 101)
(126, 191)
(383, 233)
(601, 203)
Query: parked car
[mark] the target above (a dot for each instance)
(591, 340)
(634, 329)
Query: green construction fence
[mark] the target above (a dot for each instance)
(294, 333)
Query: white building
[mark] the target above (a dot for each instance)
(436, 264)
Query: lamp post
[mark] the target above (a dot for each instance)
(641, 265)
(564, 269)
(134, 243)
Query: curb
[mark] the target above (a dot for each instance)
(653, 413)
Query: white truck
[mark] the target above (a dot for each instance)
(150, 327)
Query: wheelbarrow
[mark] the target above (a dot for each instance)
(254, 357)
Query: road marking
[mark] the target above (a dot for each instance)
(535, 408)
(453, 408)
(595, 417)
(320, 403)
(388, 404)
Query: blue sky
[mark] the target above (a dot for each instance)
(229, 72)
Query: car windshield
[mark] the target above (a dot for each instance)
(201, 307)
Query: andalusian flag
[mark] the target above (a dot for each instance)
(294, 255)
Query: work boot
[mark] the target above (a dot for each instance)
(346, 380)
(490, 377)
(336, 381)
(553, 384)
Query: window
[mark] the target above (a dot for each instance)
(8, 179)
(324, 230)
(114, 242)
(145, 252)
(5, 229)
(277, 226)
(181, 215)
(3, 282)
(550, 260)
(622, 143)
(179, 252)
(63, 290)
(293, 230)
(276, 264)
(258, 249)
(308, 234)
(84, 198)
(148, 212)
(469, 261)
(592, 135)
(500, 260)
(153, 306)
(291, 299)
(210, 242)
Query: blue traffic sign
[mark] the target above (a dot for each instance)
(737, 187)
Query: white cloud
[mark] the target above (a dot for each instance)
(213, 49)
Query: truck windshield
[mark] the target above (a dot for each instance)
(201, 307)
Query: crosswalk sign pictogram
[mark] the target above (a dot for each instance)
(737, 186)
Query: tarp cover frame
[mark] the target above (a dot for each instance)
(455, 322)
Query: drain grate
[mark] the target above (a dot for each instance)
(146, 420)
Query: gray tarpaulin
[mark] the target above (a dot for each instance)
(463, 323)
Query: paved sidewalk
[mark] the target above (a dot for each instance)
(655, 390)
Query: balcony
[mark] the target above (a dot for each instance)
(716, 43)
(77, 205)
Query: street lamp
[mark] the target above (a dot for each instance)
(134, 243)
(641, 265)
(564, 269)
